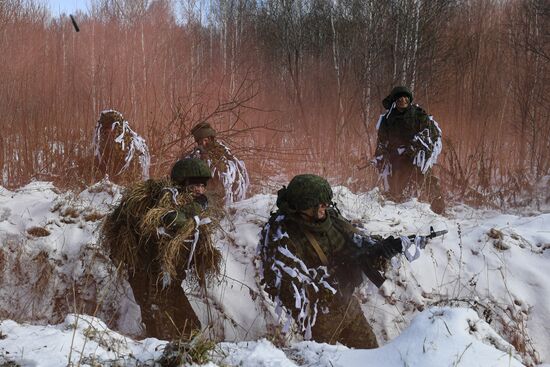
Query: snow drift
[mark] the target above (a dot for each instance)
(478, 296)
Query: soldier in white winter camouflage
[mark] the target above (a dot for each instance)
(409, 143)
(231, 180)
(118, 150)
(312, 260)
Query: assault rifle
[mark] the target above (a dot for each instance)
(386, 248)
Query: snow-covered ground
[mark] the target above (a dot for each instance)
(476, 297)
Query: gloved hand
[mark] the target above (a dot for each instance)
(202, 200)
(411, 249)
(390, 247)
(173, 219)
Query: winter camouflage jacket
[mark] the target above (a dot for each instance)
(227, 170)
(119, 149)
(412, 133)
(294, 275)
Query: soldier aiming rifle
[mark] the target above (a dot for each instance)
(312, 260)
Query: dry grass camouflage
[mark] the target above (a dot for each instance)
(137, 222)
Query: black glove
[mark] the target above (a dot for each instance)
(390, 247)
(202, 200)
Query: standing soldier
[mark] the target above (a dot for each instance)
(228, 171)
(118, 149)
(159, 234)
(310, 268)
(409, 143)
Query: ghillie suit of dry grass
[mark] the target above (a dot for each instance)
(137, 224)
(158, 256)
(118, 150)
(230, 176)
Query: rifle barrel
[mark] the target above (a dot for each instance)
(432, 234)
(438, 233)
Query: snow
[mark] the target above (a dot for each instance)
(80, 339)
(469, 296)
(436, 337)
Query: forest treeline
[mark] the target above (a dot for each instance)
(292, 85)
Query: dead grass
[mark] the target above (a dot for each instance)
(43, 273)
(2, 264)
(511, 325)
(93, 216)
(197, 349)
(137, 220)
(38, 232)
(70, 212)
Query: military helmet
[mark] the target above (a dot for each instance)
(190, 168)
(395, 93)
(203, 130)
(108, 117)
(303, 192)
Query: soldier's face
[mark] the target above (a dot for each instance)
(402, 102)
(202, 142)
(322, 211)
(318, 213)
(197, 189)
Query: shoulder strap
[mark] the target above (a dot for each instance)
(316, 247)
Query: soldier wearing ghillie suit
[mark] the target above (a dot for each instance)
(409, 143)
(309, 264)
(160, 233)
(118, 149)
(229, 172)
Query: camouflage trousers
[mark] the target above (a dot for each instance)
(345, 323)
(166, 313)
(406, 180)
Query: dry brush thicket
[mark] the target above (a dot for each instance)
(293, 86)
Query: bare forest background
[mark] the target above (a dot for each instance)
(292, 85)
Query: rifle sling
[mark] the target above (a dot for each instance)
(318, 250)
